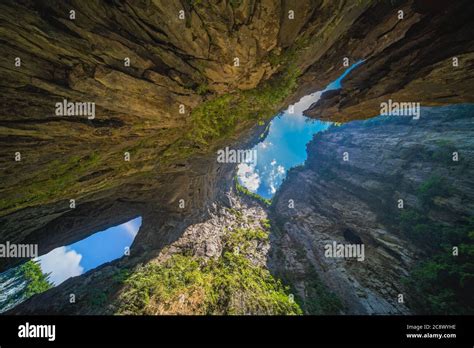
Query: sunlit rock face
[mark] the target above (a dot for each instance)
(439, 73)
(173, 62)
(178, 62)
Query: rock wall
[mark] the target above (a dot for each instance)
(187, 61)
(206, 240)
(173, 61)
(425, 57)
(357, 201)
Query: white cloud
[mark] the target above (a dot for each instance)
(275, 177)
(305, 102)
(265, 144)
(62, 264)
(131, 227)
(248, 177)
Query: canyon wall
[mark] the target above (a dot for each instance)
(189, 61)
(357, 201)
(426, 57)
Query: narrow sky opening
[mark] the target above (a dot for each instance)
(285, 144)
(101, 247)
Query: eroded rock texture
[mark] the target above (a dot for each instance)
(357, 201)
(186, 62)
(426, 57)
(207, 241)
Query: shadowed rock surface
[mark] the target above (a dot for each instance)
(186, 62)
(426, 57)
(358, 199)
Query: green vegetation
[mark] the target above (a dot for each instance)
(237, 213)
(312, 295)
(242, 238)
(318, 298)
(443, 153)
(443, 283)
(97, 298)
(54, 181)
(212, 121)
(230, 284)
(266, 224)
(419, 228)
(434, 186)
(121, 275)
(194, 2)
(286, 58)
(37, 282)
(202, 89)
(243, 190)
(22, 282)
(235, 3)
(218, 118)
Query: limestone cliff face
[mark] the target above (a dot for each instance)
(206, 241)
(172, 62)
(357, 201)
(175, 61)
(333, 200)
(425, 57)
(176, 58)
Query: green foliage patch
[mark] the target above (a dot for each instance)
(443, 283)
(218, 118)
(230, 284)
(37, 281)
(54, 181)
(244, 191)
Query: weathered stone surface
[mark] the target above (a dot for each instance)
(409, 60)
(202, 239)
(172, 62)
(336, 199)
(185, 62)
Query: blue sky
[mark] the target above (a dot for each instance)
(285, 144)
(336, 84)
(283, 148)
(101, 247)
